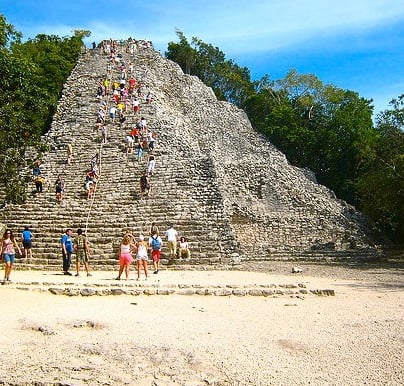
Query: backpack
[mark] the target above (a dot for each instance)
(80, 241)
(155, 244)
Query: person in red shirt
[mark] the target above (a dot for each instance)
(132, 84)
(135, 133)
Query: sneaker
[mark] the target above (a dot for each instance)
(89, 274)
(68, 273)
(77, 274)
(156, 272)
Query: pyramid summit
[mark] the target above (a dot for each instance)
(224, 186)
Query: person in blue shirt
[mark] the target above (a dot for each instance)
(27, 242)
(67, 250)
(36, 171)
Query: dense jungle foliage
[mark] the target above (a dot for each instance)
(318, 126)
(32, 75)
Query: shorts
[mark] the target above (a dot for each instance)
(141, 257)
(27, 244)
(9, 258)
(156, 254)
(82, 256)
(125, 258)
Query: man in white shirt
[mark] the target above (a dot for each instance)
(172, 236)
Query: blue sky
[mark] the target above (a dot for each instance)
(353, 44)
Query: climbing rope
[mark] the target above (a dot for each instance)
(95, 191)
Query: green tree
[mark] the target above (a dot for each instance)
(381, 185)
(32, 75)
(182, 53)
(318, 126)
(228, 81)
(8, 34)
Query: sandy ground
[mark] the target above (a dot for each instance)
(353, 338)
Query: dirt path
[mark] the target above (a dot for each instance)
(353, 338)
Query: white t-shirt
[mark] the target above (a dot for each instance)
(171, 234)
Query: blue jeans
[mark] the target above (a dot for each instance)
(9, 258)
(67, 259)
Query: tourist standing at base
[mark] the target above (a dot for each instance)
(172, 236)
(8, 247)
(155, 244)
(82, 250)
(141, 256)
(154, 229)
(67, 250)
(27, 242)
(125, 255)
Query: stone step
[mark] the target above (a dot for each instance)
(166, 282)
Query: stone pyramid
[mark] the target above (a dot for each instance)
(224, 186)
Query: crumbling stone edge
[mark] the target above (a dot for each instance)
(289, 290)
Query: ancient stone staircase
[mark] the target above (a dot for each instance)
(226, 189)
(117, 207)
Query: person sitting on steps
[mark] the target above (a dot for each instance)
(183, 248)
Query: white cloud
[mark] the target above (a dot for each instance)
(262, 26)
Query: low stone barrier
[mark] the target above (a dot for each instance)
(298, 290)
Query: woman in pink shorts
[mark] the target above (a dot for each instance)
(125, 255)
